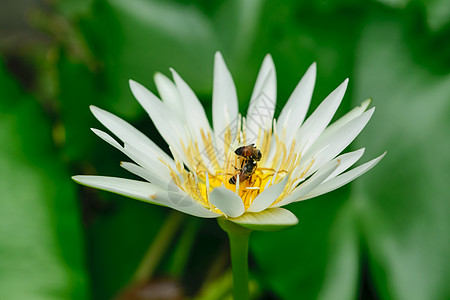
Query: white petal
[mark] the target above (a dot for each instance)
(271, 219)
(107, 138)
(355, 112)
(294, 112)
(147, 192)
(268, 196)
(149, 162)
(267, 68)
(128, 134)
(338, 141)
(342, 179)
(193, 109)
(145, 174)
(320, 118)
(347, 160)
(310, 184)
(227, 201)
(131, 188)
(225, 102)
(196, 120)
(263, 101)
(181, 201)
(146, 159)
(168, 124)
(169, 94)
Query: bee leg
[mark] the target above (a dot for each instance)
(267, 176)
(273, 170)
(280, 171)
(251, 182)
(239, 170)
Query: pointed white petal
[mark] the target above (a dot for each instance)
(127, 133)
(227, 201)
(168, 125)
(169, 94)
(342, 179)
(166, 122)
(355, 112)
(347, 160)
(320, 118)
(146, 159)
(107, 138)
(268, 196)
(196, 120)
(263, 101)
(130, 188)
(147, 192)
(267, 68)
(271, 219)
(338, 141)
(310, 184)
(193, 109)
(145, 174)
(181, 201)
(294, 112)
(225, 102)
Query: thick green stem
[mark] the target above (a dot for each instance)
(239, 237)
(239, 265)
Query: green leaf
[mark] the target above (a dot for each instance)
(403, 202)
(40, 236)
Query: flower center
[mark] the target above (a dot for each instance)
(215, 166)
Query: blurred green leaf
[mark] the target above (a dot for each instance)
(237, 23)
(78, 89)
(135, 39)
(72, 8)
(404, 202)
(41, 248)
(437, 12)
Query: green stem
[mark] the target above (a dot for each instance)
(239, 237)
(158, 247)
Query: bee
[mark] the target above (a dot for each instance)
(250, 156)
(245, 173)
(249, 152)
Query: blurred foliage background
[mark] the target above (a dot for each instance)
(384, 236)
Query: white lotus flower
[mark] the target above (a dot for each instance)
(299, 158)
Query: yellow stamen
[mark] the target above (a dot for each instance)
(204, 176)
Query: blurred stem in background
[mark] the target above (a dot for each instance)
(183, 247)
(158, 247)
